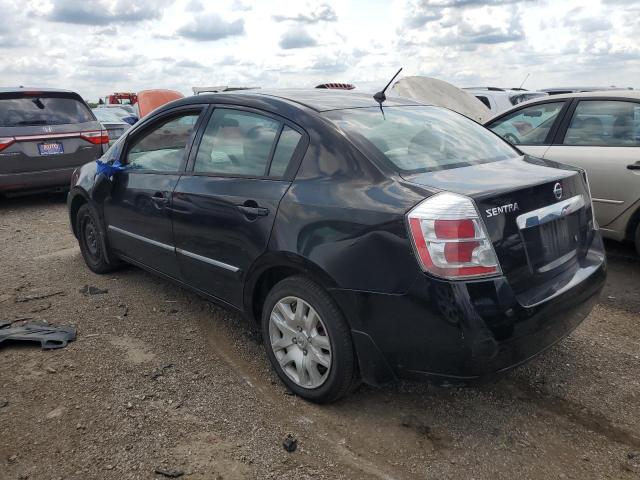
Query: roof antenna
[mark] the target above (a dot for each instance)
(525, 79)
(380, 96)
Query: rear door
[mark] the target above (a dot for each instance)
(603, 137)
(138, 212)
(225, 205)
(531, 128)
(47, 131)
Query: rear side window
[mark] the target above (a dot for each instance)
(421, 139)
(42, 110)
(528, 126)
(162, 149)
(236, 143)
(608, 123)
(287, 145)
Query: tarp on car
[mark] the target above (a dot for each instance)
(443, 94)
(149, 100)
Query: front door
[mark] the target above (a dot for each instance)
(225, 205)
(603, 137)
(138, 212)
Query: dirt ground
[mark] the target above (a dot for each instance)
(158, 378)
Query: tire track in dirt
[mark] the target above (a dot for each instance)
(357, 460)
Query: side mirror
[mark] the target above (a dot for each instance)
(102, 186)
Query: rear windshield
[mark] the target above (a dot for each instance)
(42, 110)
(421, 139)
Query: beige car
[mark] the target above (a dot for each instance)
(597, 131)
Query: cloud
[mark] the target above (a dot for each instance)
(185, 63)
(421, 12)
(240, 6)
(194, 6)
(103, 12)
(297, 37)
(322, 13)
(211, 27)
(113, 62)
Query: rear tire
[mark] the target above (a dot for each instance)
(93, 242)
(308, 341)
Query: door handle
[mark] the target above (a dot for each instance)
(634, 166)
(159, 198)
(254, 211)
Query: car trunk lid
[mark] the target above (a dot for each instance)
(539, 218)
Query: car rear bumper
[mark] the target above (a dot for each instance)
(467, 330)
(38, 180)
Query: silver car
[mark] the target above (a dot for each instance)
(597, 131)
(111, 122)
(45, 135)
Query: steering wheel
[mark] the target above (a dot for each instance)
(511, 138)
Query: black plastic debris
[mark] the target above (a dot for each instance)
(3, 403)
(290, 443)
(50, 337)
(91, 290)
(170, 472)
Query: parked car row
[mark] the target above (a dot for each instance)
(499, 100)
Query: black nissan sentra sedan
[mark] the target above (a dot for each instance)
(372, 241)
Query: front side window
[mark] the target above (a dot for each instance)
(163, 148)
(236, 142)
(607, 123)
(528, 126)
(421, 139)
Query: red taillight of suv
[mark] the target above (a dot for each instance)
(97, 137)
(450, 239)
(6, 142)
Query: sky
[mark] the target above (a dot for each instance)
(101, 46)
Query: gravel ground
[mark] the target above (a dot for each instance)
(161, 379)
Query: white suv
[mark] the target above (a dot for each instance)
(499, 100)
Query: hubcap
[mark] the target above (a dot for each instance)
(300, 342)
(91, 237)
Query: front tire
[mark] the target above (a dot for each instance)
(93, 243)
(308, 341)
(637, 238)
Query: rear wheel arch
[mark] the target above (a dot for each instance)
(272, 269)
(633, 224)
(633, 230)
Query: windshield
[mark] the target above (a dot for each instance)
(42, 110)
(421, 139)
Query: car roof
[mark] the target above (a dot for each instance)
(320, 100)
(633, 94)
(582, 89)
(604, 94)
(34, 89)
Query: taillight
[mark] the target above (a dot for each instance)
(6, 142)
(450, 239)
(97, 137)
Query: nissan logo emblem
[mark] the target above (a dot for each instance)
(557, 190)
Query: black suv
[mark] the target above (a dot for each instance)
(372, 241)
(45, 134)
